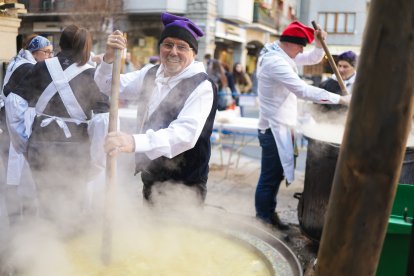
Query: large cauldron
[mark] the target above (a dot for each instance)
(319, 173)
(279, 259)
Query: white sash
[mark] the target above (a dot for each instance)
(10, 73)
(60, 84)
(22, 57)
(7, 78)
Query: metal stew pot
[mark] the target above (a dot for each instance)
(319, 173)
(278, 258)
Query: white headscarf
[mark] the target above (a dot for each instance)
(37, 43)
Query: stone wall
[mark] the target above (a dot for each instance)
(8, 32)
(204, 13)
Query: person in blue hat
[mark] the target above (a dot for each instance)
(62, 141)
(18, 175)
(176, 110)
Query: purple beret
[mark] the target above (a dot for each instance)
(349, 57)
(153, 59)
(181, 28)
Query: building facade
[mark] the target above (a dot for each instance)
(9, 26)
(235, 30)
(343, 20)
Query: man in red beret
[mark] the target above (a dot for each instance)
(279, 86)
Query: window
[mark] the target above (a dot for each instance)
(291, 13)
(280, 5)
(26, 3)
(46, 5)
(337, 22)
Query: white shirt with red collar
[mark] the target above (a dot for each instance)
(279, 86)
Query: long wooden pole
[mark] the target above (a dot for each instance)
(331, 61)
(111, 165)
(374, 143)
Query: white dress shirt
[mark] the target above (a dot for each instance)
(349, 83)
(279, 86)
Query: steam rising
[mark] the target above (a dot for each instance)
(70, 220)
(328, 126)
(51, 242)
(73, 206)
(40, 246)
(35, 249)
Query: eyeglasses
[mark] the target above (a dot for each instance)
(48, 53)
(180, 48)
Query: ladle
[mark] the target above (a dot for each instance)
(331, 61)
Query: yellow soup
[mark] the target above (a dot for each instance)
(163, 250)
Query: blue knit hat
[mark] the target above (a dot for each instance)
(38, 43)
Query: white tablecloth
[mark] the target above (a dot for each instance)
(230, 120)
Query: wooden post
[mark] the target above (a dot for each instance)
(374, 144)
(106, 249)
(331, 61)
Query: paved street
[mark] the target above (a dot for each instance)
(235, 192)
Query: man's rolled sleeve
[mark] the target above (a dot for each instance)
(142, 144)
(334, 98)
(103, 77)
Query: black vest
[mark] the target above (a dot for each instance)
(18, 75)
(191, 166)
(332, 85)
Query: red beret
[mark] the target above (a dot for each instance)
(297, 33)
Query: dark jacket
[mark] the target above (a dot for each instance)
(332, 85)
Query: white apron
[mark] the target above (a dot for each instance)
(60, 84)
(283, 135)
(18, 170)
(97, 126)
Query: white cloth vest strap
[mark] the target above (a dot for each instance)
(60, 84)
(16, 65)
